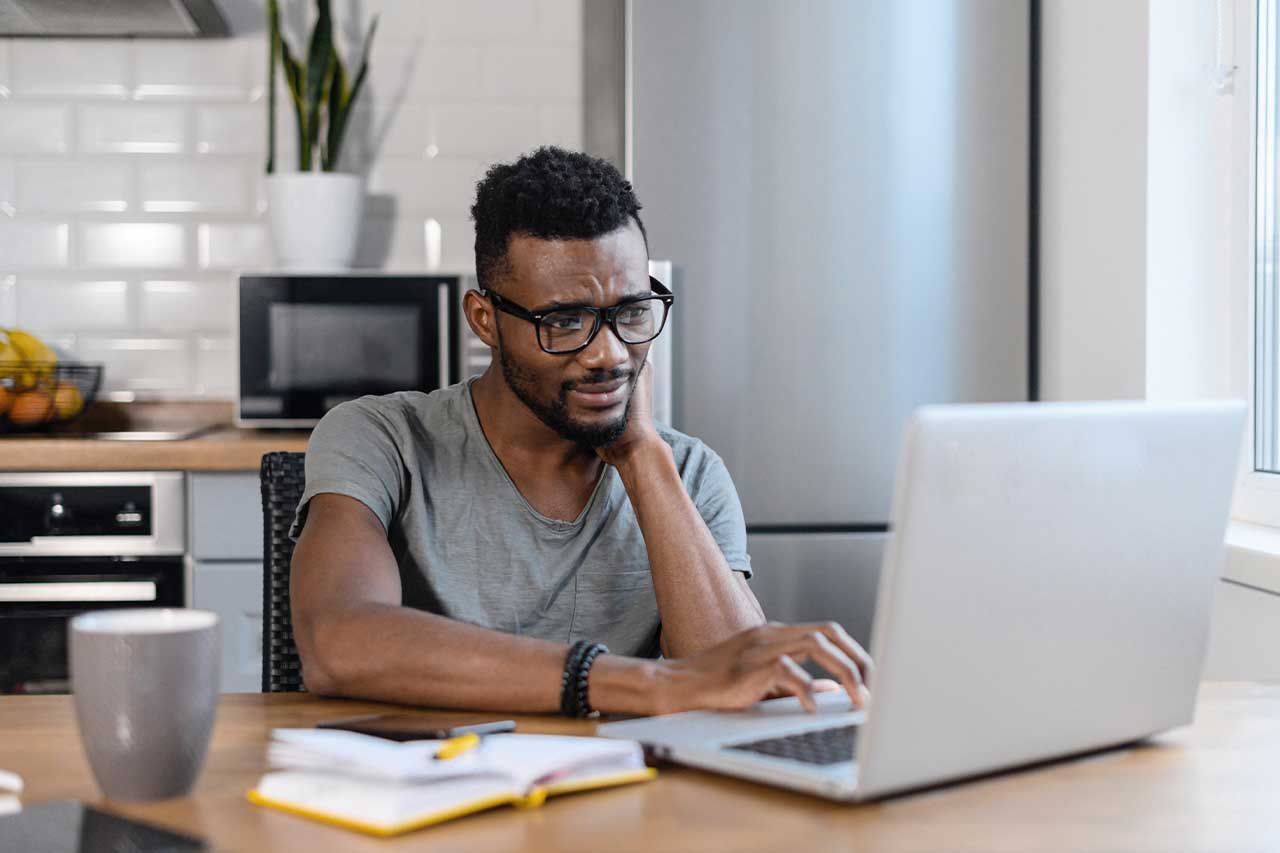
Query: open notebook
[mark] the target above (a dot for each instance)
(384, 788)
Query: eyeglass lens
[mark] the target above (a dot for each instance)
(635, 323)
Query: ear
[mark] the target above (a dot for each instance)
(480, 316)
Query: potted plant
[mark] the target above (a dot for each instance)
(315, 215)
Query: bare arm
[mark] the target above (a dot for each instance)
(355, 639)
(701, 600)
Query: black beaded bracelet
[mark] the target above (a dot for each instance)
(584, 708)
(573, 681)
(568, 683)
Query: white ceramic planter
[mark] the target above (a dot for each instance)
(315, 218)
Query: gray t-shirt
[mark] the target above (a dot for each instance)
(470, 547)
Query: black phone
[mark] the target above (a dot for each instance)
(417, 726)
(72, 826)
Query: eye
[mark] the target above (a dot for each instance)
(634, 314)
(563, 322)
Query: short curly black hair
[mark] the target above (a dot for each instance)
(551, 194)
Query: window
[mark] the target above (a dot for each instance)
(1266, 365)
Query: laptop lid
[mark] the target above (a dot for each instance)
(1049, 583)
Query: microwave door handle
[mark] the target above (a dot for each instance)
(63, 591)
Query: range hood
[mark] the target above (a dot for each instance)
(114, 18)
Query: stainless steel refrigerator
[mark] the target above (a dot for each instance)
(843, 186)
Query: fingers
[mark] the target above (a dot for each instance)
(792, 679)
(827, 644)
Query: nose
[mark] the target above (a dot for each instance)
(605, 352)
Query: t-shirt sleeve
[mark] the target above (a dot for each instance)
(353, 452)
(717, 501)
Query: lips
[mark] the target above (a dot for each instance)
(599, 395)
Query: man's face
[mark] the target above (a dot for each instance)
(585, 396)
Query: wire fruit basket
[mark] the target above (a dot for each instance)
(37, 395)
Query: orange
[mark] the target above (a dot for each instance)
(6, 398)
(30, 407)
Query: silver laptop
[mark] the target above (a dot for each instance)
(1046, 591)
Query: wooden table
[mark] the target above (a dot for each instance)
(1212, 786)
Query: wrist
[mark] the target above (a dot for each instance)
(641, 454)
(625, 685)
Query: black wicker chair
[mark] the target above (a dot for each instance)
(282, 479)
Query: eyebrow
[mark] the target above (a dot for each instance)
(556, 305)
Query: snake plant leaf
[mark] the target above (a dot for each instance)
(294, 82)
(273, 30)
(338, 94)
(338, 117)
(319, 58)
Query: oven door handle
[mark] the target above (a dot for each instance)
(67, 591)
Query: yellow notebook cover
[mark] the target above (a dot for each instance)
(386, 788)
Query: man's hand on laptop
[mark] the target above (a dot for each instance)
(764, 662)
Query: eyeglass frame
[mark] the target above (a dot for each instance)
(608, 315)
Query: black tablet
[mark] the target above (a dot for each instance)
(68, 826)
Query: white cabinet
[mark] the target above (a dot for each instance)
(226, 542)
(234, 592)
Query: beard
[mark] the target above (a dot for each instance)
(554, 412)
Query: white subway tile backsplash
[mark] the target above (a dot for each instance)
(457, 253)
(231, 246)
(181, 70)
(427, 186)
(133, 129)
(8, 300)
(78, 68)
(397, 21)
(138, 363)
(186, 187)
(553, 71)
(28, 128)
(73, 305)
(6, 81)
(131, 171)
(411, 71)
(187, 306)
(498, 131)
(560, 21)
(45, 186)
(215, 369)
(8, 187)
(561, 125)
(147, 245)
(232, 129)
(33, 244)
(487, 20)
(415, 244)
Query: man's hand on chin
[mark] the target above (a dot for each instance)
(640, 432)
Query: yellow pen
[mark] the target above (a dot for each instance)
(453, 747)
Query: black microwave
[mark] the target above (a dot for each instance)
(308, 342)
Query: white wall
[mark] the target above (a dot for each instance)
(1139, 161)
(1191, 205)
(1093, 177)
(131, 180)
(1093, 185)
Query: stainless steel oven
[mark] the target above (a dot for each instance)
(80, 541)
(309, 342)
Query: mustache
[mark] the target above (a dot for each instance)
(598, 377)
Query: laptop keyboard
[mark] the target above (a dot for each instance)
(824, 746)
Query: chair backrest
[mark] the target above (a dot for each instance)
(282, 478)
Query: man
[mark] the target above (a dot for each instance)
(450, 546)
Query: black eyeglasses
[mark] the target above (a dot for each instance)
(561, 331)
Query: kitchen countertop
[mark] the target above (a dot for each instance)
(222, 447)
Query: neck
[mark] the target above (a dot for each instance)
(519, 437)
